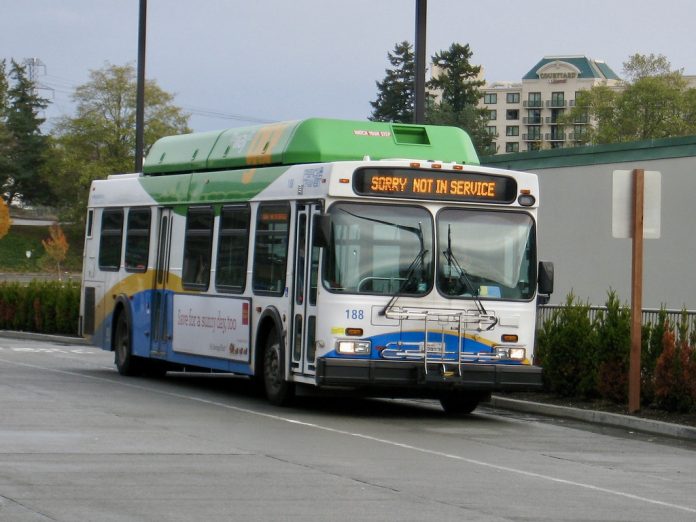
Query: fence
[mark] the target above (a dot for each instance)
(650, 315)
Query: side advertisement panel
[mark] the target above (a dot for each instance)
(212, 326)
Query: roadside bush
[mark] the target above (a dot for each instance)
(46, 307)
(675, 371)
(653, 338)
(613, 329)
(566, 349)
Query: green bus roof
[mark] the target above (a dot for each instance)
(313, 140)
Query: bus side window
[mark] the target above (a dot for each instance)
(271, 248)
(198, 244)
(233, 247)
(137, 240)
(110, 240)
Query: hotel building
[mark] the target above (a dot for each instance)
(524, 115)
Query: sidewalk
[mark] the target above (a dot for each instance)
(613, 420)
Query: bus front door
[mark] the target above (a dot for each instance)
(305, 292)
(161, 302)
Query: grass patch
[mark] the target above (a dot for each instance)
(23, 238)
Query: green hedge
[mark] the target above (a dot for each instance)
(589, 358)
(50, 307)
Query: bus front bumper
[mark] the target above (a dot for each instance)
(409, 374)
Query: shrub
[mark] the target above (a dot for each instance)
(613, 328)
(566, 350)
(45, 307)
(675, 375)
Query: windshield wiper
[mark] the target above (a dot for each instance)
(416, 263)
(464, 277)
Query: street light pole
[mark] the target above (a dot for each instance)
(421, 17)
(140, 92)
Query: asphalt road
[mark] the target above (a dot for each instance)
(78, 442)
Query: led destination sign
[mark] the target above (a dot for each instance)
(420, 184)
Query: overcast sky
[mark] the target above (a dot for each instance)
(233, 62)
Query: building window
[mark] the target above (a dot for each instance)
(233, 243)
(493, 115)
(512, 114)
(492, 130)
(513, 97)
(137, 240)
(557, 99)
(534, 146)
(512, 146)
(512, 130)
(198, 243)
(490, 98)
(534, 99)
(533, 117)
(534, 133)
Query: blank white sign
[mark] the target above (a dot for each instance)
(622, 207)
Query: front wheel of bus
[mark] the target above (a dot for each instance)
(126, 362)
(278, 391)
(458, 403)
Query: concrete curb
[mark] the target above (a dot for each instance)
(597, 417)
(67, 339)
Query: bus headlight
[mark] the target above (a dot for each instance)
(515, 353)
(353, 347)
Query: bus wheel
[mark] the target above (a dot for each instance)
(457, 403)
(278, 391)
(126, 362)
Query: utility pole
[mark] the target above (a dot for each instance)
(421, 18)
(140, 92)
(33, 65)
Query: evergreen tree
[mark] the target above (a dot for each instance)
(456, 80)
(396, 93)
(24, 146)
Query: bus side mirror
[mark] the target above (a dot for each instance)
(545, 281)
(322, 230)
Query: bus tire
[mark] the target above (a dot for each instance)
(279, 392)
(126, 363)
(458, 403)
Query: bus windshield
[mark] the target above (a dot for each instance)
(388, 250)
(379, 249)
(485, 254)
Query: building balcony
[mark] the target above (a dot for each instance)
(551, 120)
(555, 136)
(532, 103)
(556, 104)
(532, 120)
(531, 137)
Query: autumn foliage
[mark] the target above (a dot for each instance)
(5, 220)
(57, 245)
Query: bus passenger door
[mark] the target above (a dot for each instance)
(305, 291)
(160, 301)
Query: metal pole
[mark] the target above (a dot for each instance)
(140, 93)
(636, 291)
(421, 17)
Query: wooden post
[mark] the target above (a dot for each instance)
(636, 291)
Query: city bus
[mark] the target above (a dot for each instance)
(320, 256)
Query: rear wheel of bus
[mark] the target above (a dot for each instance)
(278, 391)
(126, 362)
